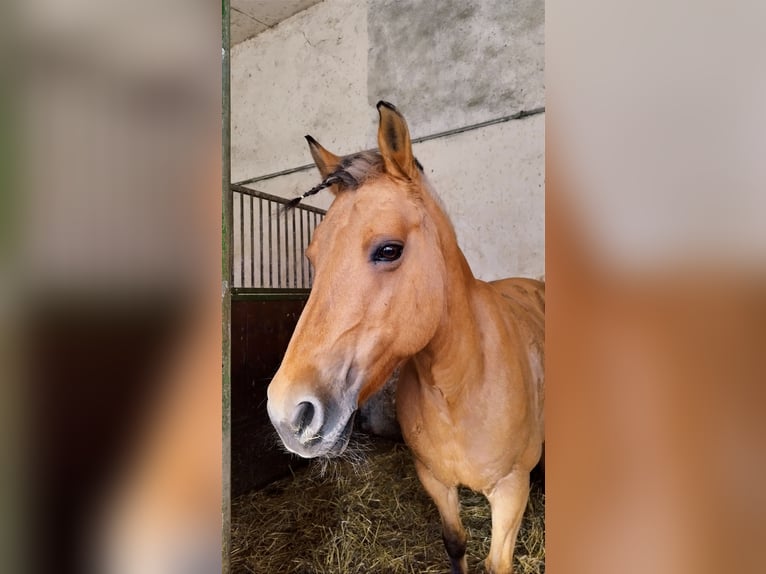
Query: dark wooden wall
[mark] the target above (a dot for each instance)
(260, 331)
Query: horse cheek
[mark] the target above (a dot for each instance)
(427, 308)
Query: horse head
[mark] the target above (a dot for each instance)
(378, 294)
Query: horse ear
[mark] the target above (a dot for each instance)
(394, 142)
(324, 160)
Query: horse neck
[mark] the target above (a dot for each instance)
(449, 358)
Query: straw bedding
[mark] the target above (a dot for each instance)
(365, 513)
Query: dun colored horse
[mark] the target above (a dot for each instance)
(392, 288)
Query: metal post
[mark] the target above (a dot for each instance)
(303, 251)
(226, 277)
(271, 252)
(260, 244)
(252, 243)
(287, 250)
(241, 240)
(277, 219)
(295, 253)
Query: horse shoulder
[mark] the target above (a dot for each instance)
(525, 302)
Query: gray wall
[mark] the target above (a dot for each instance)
(445, 65)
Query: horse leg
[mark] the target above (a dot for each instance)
(447, 502)
(508, 501)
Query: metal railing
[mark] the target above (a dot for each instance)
(269, 243)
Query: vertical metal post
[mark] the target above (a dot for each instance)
(226, 277)
(271, 251)
(296, 251)
(252, 242)
(279, 251)
(287, 247)
(308, 241)
(303, 251)
(312, 226)
(241, 240)
(260, 244)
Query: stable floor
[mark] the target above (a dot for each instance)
(365, 513)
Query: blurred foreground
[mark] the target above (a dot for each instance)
(111, 293)
(656, 271)
(656, 296)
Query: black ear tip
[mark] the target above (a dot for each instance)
(309, 139)
(385, 104)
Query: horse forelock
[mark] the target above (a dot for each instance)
(351, 173)
(356, 169)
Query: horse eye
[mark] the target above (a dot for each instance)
(388, 252)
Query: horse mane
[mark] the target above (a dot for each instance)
(352, 171)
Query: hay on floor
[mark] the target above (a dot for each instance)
(369, 515)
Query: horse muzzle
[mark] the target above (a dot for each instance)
(312, 428)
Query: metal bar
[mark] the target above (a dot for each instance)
(241, 240)
(252, 244)
(287, 249)
(260, 244)
(308, 242)
(517, 116)
(226, 275)
(245, 290)
(309, 233)
(274, 198)
(288, 263)
(269, 294)
(295, 253)
(307, 283)
(279, 253)
(271, 259)
(303, 254)
(311, 271)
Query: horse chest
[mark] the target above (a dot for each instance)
(452, 447)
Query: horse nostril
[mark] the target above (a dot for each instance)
(302, 417)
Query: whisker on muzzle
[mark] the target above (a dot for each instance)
(354, 457)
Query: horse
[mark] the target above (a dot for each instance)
(393, 289)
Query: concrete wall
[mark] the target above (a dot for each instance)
(446, 65)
